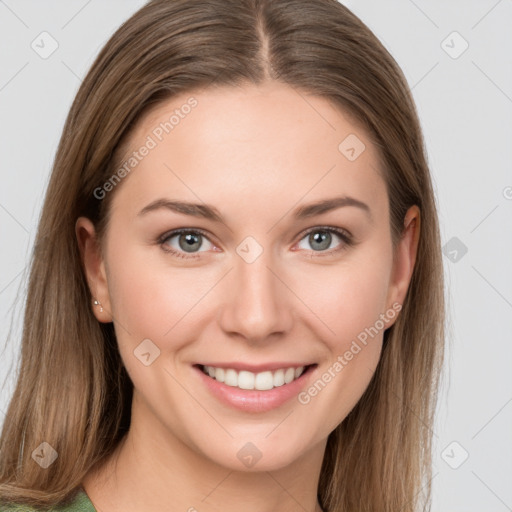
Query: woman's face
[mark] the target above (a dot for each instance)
(260, 280)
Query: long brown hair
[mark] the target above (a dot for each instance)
(72, 390)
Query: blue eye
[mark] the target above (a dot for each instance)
(188, 241)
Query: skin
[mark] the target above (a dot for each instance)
(256, 154)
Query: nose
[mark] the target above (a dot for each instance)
(258, 302)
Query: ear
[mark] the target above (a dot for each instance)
(94, 268)
(404, 258)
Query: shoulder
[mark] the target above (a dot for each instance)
(80, 503)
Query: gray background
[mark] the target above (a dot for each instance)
(465, 103)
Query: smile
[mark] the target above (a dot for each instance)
(261, 381)
(255, 388)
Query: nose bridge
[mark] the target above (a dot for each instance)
(257, 303)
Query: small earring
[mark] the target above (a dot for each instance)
(97, 303)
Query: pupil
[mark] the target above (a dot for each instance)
(322, 238)
(190, 241)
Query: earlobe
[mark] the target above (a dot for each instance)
(94, 268)
(405, 257)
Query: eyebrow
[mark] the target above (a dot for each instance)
(210, 212)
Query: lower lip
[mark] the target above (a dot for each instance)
(255, 401)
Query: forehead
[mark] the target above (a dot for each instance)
(248, 144)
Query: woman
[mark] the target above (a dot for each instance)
(187, 345)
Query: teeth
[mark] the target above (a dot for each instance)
(289, 375)
(245, 380)
(231, 378)
(264, 381)
(248, 380)
(279, 377)
(219, 374)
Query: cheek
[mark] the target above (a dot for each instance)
(148, 297)
(348, 298)
(351, 306)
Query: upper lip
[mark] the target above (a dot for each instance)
(257, 368)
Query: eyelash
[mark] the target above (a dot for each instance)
(346, 237)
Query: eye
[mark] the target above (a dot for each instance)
(321, 238)
(185, 243)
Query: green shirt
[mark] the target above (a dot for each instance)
(81, 503)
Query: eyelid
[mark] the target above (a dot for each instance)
(336, 230)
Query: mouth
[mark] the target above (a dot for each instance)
(261, 381)
(254, 391)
